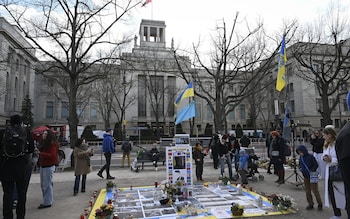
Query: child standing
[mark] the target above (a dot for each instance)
(307, 164)
(199, 161)
(243, 166)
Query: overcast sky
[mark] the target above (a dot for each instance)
(187, 20)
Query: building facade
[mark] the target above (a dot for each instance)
(16, 70)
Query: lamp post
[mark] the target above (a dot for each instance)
(124, 83)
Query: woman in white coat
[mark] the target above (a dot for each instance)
(332, 188)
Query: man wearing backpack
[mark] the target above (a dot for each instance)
(15, 166)
(126, 148)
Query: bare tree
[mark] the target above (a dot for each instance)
(238, 65)
(70, 33)
(323, 59)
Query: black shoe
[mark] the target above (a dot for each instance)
(75, 193)
(100, 175)
(309, 207)
(110, 177)
(83, 191)
(319, 207)
(281, 182)
(269, 172)
(41, 206)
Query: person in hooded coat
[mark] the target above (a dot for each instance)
(307, 164)
(277, 155)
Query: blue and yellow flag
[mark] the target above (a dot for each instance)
(281, 76)
(186, 113)
(188, 92)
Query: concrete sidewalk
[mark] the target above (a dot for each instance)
(67, 206)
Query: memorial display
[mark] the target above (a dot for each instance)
(215, 200)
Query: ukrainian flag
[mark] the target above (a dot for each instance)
(186, 113)
(281, 80)
(188, 92)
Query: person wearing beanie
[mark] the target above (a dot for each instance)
(277, 155)
(107, 149)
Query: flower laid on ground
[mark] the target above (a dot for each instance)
(104, 211)
(224, 179)
(110, 184)
(236, 209)
(282, 202)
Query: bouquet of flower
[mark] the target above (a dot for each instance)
(282, 202)
(236, 209)
(104, 211)
(110, 184)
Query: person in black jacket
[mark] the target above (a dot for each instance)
(307, 164)
(342, 150)
(277, 155)
(317, 143)
(213, 144)
(198, 157)
(15, 171)
(224, 155)
(235, 147)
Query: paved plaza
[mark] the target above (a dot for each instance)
(67, 206)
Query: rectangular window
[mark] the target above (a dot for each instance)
(242, 111)
(49, 109)
(80, 110)
(93, 110)
(209, 113)
(64, 110)
(292, 106)
(142, 97)
(232, 115)
(319, 105)
(156, 88)
(198, 110)
(171, 95)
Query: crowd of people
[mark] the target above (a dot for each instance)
(329, 150)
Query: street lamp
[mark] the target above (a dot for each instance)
(124, 83)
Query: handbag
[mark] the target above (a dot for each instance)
(313, 174)
(334, 173)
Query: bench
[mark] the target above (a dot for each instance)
(145, 156)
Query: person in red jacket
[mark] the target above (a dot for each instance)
(48, 158)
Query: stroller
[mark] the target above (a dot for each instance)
(252, 166)
(135, 166)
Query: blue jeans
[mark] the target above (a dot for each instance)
(226, 159)
(46, 175)
(77, 182)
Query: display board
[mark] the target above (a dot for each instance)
(179, 164)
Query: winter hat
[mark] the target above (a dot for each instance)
(108, 130)
(275, 133)
(15, 119)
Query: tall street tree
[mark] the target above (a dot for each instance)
(71, 34)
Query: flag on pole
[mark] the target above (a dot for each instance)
(146, 2)
(281, 78)
(186, 113)
(287, 128)
(188, 92)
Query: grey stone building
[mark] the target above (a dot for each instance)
(16, 70)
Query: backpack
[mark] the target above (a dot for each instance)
(14, 141)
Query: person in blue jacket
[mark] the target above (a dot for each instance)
(307, 164)
(243, 166)
(107, 149)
